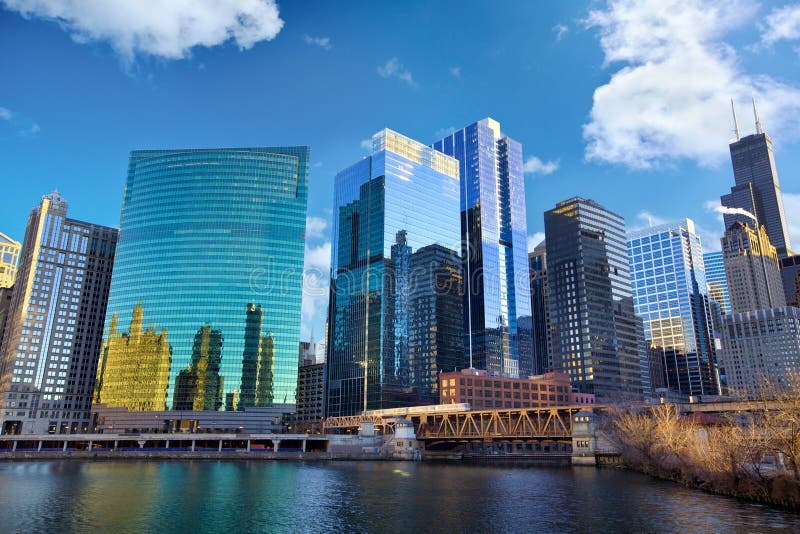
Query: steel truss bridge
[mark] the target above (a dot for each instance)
(483, 425)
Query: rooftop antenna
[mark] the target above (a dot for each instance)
(735, 122)
(759, 126)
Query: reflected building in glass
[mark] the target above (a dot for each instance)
(670, 294)
(395, 307)
(497, 305)
(204, 309)
(716, 280)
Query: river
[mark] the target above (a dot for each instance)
(219, 496)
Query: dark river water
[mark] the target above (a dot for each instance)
(117, 497)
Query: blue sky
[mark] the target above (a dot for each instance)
(623, 102)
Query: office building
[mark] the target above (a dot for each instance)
(756, 188)
(716, 280)
(596, 337)
(388, 208)
(5, 306)
(55, 324)
(670, 294)
(790, 274)
(310, 395)
(494, 248)
(761, 351)
(752, 269)
(540, 294)
(485, 392)
(435, 318)
(9, 257)
(204, 307)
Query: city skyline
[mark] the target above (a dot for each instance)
(576, 141)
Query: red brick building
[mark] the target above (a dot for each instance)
(484, 392)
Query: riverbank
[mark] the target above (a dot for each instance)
(730, 458)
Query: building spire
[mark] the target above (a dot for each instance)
(735, 122)
(759, 126)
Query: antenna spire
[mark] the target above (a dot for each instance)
(735, 122)
(759, 126)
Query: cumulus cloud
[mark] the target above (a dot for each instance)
(167, 30)
(781, 24)
(315, 227)
(5, 114)
(455, 72)
(534, 165)
(669, 98)
(322, 42)
(534, 240)
(394, 69)
(560, 30)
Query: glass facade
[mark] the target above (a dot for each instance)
(596, 337)
(540, 294)
(757, 189)
(671, 295)
(204, 308)
(497, 306)
(716, 280)
(396, 280)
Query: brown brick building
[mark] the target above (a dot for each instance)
(485, 392)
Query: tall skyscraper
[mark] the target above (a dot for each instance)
(494, 248)
(756, 188)
(670, 294)
(9, 257)
(388, 208)
(208, 284)
(540, 308)
(596, 337)
(752, 269)
(716, 280)
(55, 322)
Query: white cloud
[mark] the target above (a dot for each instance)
(316, 281)
(781, 24)
(322, 42)
(534, 165)
(167, 30)
(394, 69)
(455, 72)
(670, 99)
(315, 227)
(5, 114)
(648, 219)
(560, 31)
(534, 240)
(366, 144)
(318, 164)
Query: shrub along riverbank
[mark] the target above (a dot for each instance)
(753, 456)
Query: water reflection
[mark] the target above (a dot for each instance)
(357, 497)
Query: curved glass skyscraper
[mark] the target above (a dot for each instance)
(204, 308)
